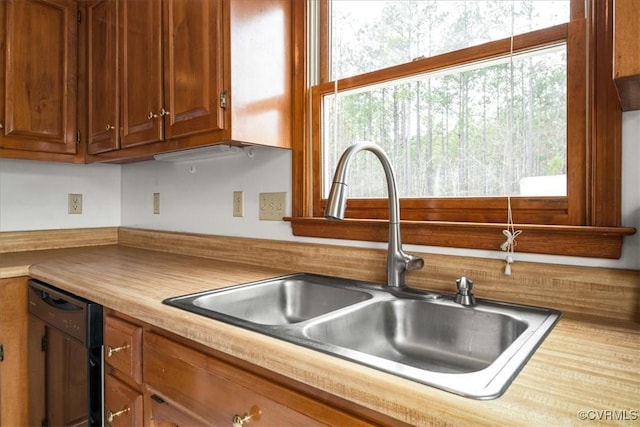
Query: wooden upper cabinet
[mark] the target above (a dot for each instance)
(39, 75)
(141, 95)
(193, 66)
(261, 69)
(626, 60)
(125, 92)
(164, 72)
(102, 76)
(200, 72)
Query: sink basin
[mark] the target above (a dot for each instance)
(276, 302)
(421, 334)
(472, 351)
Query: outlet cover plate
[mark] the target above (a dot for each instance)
(75, 204)
(272, 206)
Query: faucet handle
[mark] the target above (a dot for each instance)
(464, 295)
(414, 262)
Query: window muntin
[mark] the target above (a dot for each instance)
(368, 35)
(488, 129)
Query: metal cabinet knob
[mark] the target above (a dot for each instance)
(162, 113)
(113, 415)
(110, 127)
(1, 126)
(113, 350)
(240, 420)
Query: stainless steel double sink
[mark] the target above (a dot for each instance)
(473, 351)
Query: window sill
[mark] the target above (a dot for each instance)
(582, 241)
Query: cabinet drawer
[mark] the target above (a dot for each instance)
(122, 405)
(123, 346)
(167, 414)
(217, 391)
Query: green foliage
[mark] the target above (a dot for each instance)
(466, 132)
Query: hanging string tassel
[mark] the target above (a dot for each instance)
(507, 268)
(510, 233)
(509, 247)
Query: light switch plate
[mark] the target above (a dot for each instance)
(272, 206)
(238, 203)
(156, 203)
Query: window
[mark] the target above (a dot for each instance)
(495, 108)
(489, 129)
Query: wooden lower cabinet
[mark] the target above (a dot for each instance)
(216, 392)
(13, 361)
(157, 379)
(123, 390)
(123, 404)
(123, 347)
(169, 414)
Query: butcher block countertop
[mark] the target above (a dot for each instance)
(586, 372)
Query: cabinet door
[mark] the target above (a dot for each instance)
(141, 73)
(193, 66)
(40, 76)
(14, 369)
(66, 375)
(102, 76)
(123, 347)
(122, 404)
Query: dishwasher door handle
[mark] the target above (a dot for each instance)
(59, 303)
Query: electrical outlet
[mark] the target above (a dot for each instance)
(156, 203)
(272, 206)
(75, 203)
(238, 203)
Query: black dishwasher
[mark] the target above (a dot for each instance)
(73, 361)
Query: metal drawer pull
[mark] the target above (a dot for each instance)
(112, 415)
(239, 421)
(113, 350)
(110, 127)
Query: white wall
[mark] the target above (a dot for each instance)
(202, 202)
(33, 195)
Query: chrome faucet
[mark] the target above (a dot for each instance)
(398, 262)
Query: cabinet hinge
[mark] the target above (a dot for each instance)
(1, 353)
(78, 137)
(43, 343)
(223, 99)
(79, 17)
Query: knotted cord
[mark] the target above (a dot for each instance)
(510, 233)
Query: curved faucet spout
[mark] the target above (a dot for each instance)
(398, 262)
